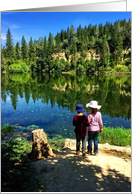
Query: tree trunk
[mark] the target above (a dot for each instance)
(40, 147)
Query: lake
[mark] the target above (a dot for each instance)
(30, 101)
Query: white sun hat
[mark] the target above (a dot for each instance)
(93, 104)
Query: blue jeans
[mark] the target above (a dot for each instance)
(78, 139)
(93, 135)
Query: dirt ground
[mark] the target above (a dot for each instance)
(110, 171)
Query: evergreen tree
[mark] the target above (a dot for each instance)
(101, 30)
(72, 34)
(9, 45)
(62, 35)
(24, 49)
(58, 42)
(104, 51)
(32, 53)
(18, 52)
(68, 33)
(45, 48)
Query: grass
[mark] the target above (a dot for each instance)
(115, 136)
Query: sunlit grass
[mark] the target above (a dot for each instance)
(115, 136)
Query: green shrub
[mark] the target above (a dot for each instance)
(73, 65)
(25, 67)
(6, 129)
(129, 67)
(58, 66)
(16, 68)
(121, 68)
(81, 69)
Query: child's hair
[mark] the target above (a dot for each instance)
(78, 112)
(94, 110)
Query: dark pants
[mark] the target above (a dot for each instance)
(78, 139)
(93, 135)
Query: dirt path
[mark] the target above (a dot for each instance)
(110, 171)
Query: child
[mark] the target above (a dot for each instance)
(95, 126)
(81, 123)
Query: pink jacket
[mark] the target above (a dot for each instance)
(95, 121)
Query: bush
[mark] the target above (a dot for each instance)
(80, 69)
(67, 66)
(129, 67)
(121, 68)
(81, 61)
(51, 65)
(25, 67)
(73, 65)
(58, 66)
(16, 68)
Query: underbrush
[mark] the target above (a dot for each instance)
(15, 165)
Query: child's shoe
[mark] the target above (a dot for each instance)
(84, 154)
(96, 154)
(89, 153)
(77, 153)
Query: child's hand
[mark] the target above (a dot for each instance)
(101, 130)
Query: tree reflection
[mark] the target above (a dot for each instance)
(112, 92)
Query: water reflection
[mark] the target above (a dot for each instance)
(49, 101)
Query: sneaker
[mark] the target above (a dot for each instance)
(77, 153)
(89, 153)
(84, 154)
(96, 154)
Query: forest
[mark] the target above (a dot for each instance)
(92, 49)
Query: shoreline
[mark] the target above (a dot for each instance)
(126, 149)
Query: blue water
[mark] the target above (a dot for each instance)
(56, 120)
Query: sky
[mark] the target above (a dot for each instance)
(40, 24)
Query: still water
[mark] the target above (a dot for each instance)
(30, 101)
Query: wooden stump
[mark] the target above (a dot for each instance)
(40, 147)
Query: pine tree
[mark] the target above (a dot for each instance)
(45, 48)
(58, 42)
(9, 45)
(24, 49)
(104, 51)
(18, 54)
(32, 53)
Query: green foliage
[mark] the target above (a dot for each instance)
(81, 61)
(67, 66)
(80, 69)
(129, 67)
(115, 136)
(15, 68)
(58, 67)
(108, 41)
(57, 142)
(121, 68)
(25, 67)
(6, 129)
(73, 65)
(16, 177)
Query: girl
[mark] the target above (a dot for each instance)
(95, 126)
